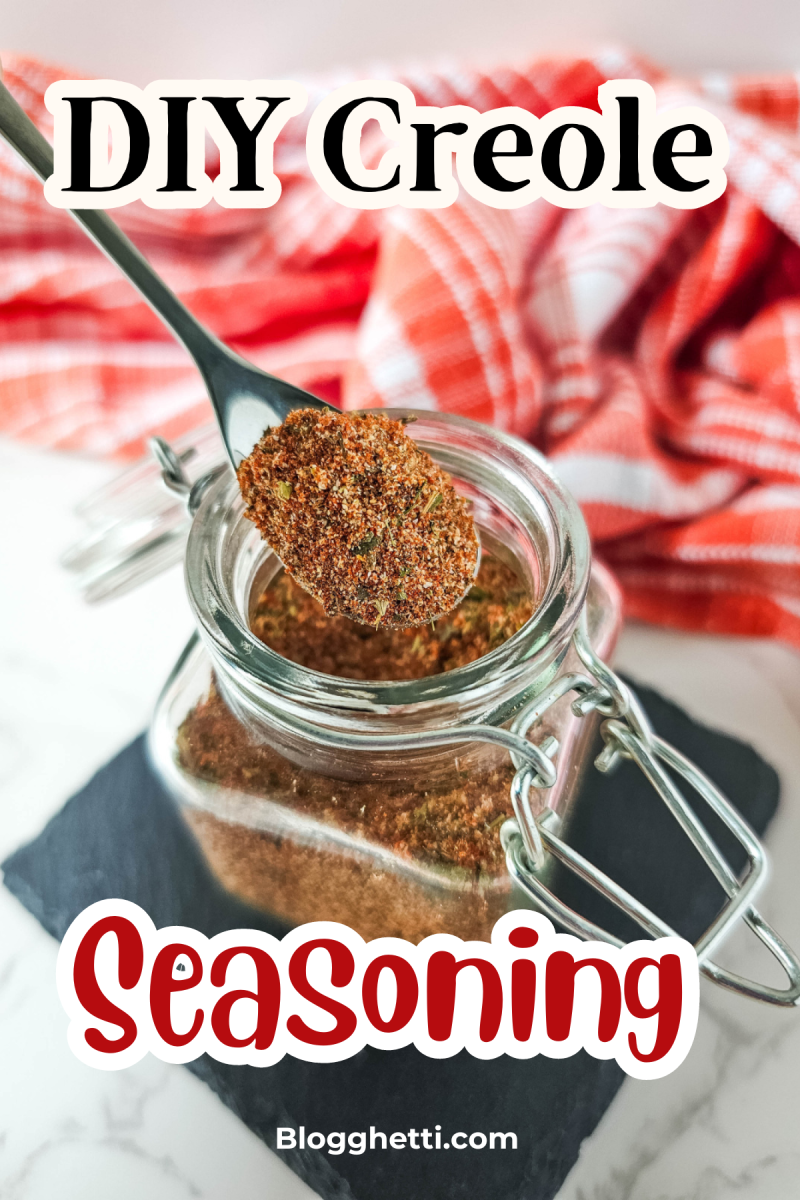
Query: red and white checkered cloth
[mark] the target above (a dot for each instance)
(653, 353)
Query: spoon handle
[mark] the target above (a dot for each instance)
(246, 400)
(21, 133)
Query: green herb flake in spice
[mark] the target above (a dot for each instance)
(325, 486)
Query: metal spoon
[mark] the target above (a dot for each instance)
(246, 400)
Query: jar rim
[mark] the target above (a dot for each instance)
(217, 585)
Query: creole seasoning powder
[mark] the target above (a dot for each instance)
(361, 517)
(451, 822)
(293, 624)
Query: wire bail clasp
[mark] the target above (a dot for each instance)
(175, 478)
(627, 734)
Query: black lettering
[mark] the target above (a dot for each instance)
(177, 144)
(333, 139)
(551, 157)
(628, 145)
(485, 154)
(227, 108)
(426, 167)
(81, 146)
(663, 154)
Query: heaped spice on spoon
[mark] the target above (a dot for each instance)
(361, 517)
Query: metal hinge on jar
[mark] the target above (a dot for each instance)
(627, 733)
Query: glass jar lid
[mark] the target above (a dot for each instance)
(135, 526)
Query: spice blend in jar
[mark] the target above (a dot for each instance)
(361, 517)
(450, 823)
(293, 624)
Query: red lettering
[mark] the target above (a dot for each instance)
(162, 985)
(523, 984)
(88, 991)
(668, 1006)
(560, 995)
(342, 968)
(523, 997)
(267, 998)
(405, 1004)
(524, 937)
(442, 973)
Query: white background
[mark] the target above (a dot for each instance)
(141, 40)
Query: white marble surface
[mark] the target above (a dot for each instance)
(725, 1125)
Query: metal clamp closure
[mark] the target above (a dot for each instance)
(174, 477)
(627, 733)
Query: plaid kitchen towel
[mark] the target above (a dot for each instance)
(654, 354)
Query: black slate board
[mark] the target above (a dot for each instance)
(121, 836)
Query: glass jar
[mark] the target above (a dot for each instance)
(321, 732)
(412, 807)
